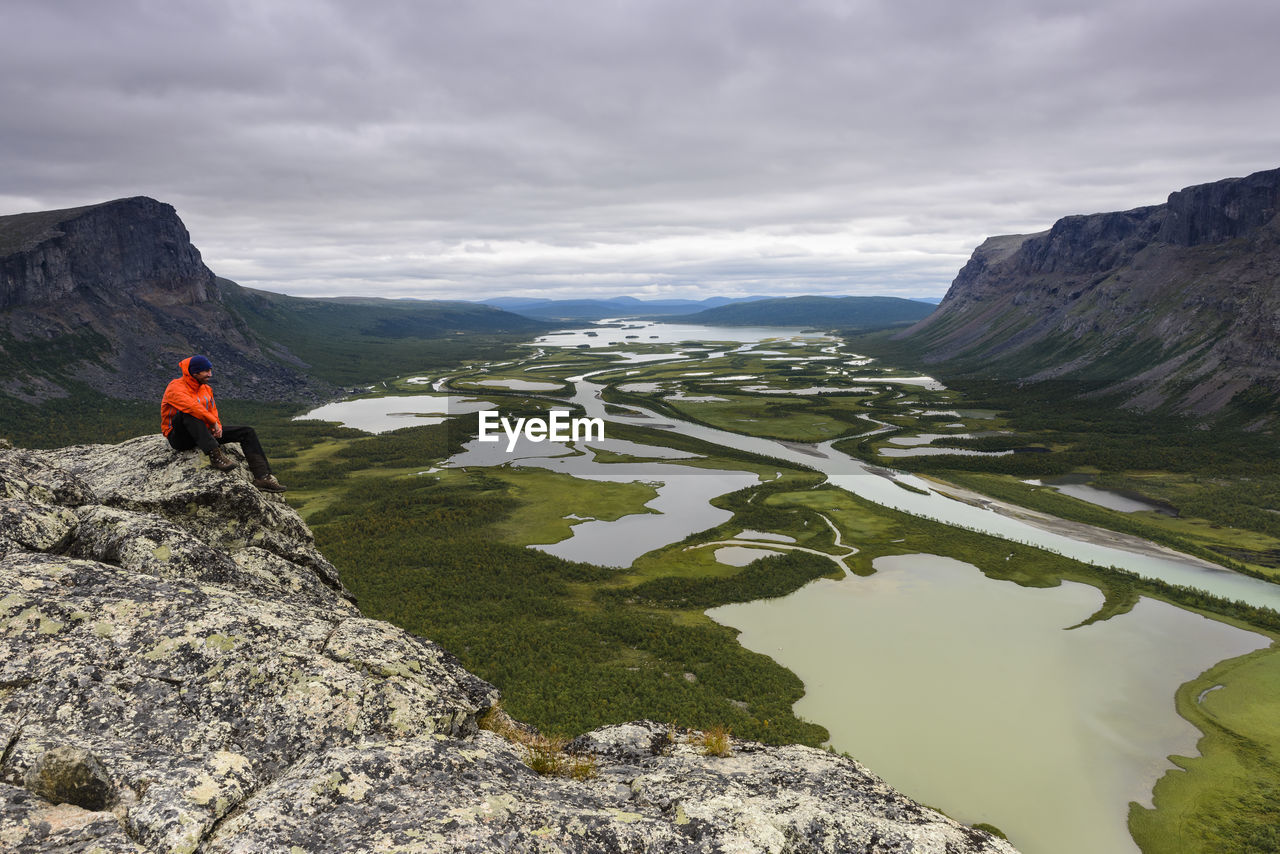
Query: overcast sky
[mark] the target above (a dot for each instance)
(454, 149)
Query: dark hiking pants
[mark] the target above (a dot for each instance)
(190, 432)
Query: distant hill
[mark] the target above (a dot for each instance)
(851, 313)
(106, 300)
(349, 339)
(600, 309)
(1169, 306)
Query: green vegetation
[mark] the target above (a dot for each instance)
(87, 417)
(350, 341)
(1229, 796)
(82, 418)
(1188, 534)
(764, 578)
(50, 359)
(807, 419)
(1223, 485)
(715, 741)
(436, 555)
(545, 754)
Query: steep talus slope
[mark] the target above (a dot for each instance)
(181, 671)
(1171, 305)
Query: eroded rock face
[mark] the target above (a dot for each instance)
(121, 293)
(181, 670)
(1171, 305)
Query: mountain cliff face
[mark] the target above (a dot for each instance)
(181, 670)
(134, 247)
(1173, 305)
(114, 296)
(111, 297)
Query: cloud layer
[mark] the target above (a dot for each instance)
(649, 147)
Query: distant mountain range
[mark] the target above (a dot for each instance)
(858, 313)
(1171, 306)
(600, 309)
(847, 313)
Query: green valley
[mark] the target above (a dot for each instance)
(446, 551)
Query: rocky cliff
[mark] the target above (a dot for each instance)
(181, 670)
(113, 296)
(1172, 305)
(132, 246)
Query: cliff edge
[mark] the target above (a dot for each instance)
(181, 670)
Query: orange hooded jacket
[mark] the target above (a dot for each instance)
(187, 395)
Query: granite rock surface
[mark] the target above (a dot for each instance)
(181, 670)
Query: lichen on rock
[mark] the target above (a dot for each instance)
(181, 670)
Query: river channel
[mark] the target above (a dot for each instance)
(966, 693)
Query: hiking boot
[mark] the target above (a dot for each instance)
(268, 483)
(261, 471)
(220, 461)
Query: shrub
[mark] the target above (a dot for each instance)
(715, 741)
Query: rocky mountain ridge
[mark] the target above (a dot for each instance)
(182, 671)
(1170, 305)
(109, 298)
(113, 296)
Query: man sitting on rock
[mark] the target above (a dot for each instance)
(189, 419)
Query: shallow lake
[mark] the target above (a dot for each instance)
(1079, 488)
(672, 333)
(682, 506)
(968, 694)
(380, 414)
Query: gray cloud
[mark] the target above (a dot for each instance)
(444, 149)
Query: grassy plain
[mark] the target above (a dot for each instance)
(1227, 799)
(802, 420)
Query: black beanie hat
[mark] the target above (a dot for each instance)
(198, 364)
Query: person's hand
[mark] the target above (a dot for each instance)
(217, 431)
